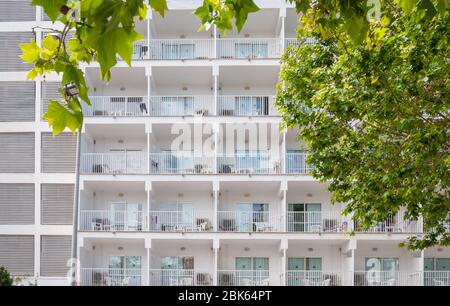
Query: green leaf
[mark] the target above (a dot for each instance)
(51, 7)
(159, 6)
(50, 43)
(30, 52)
(60, 118)
(408, 5)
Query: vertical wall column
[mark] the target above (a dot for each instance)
(283, 252)
(148, 131)
(215, 72)
(148, 74)
(283, 152)
(216, 189)
(216, 131)
(148, 247)
(216, 248)
(149, 34)
(215, 41)
(148, 189)
(283, 191)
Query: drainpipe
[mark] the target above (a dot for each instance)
(74, 265)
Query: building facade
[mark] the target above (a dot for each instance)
(186, 177)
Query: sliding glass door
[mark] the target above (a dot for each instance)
(177, 271)
(125, 270)
(304, 217)
(251, 216)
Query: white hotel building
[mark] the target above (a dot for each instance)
(149, 215)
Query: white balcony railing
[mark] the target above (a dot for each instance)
(180, 221)
(388, 278)
(249, 48)
(179, 277)
(180, 163)
(231, 105)
(243, 278)
(248, 221)
(295, 43)
(316, 221)
(117, 106)
(111, 221)
(436, 278)
(110, 277)
(181, 49)
(140, 50)
(313, 278)
(114, 163)
(248, 163)
(296, 163)
(394, 224)
(182, 105)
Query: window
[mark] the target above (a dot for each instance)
(177, 106)
(437, 271)
(302, 271)
(251, 270)
(126, 216)
(381, 271)
(177, 270)
(252, 106)
(125, 269)
(304, 217)
(178, 51)
(251, 50)
(251, 216)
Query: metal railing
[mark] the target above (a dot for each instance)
(179, 277)
(111, 221)
(182, 105)
(140, 50)
(295, 43)
(436, 278)
(249, 48)
(316, 221)
(181, 49)
(114, 163)
(313, 278)
(393, 224)
(180, 221)
(387, 278)
(248, 221)
(243, 278)
(180, 163)
(117, 106)
(248, 163)
(110, 277)
(232, 105)
(296, 163)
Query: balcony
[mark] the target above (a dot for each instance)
(313, 278)
(112, 221)
(179, 277)
(181, 49)
(182, 105)
(436, 278)
(180, 163)
(114, 163)
(317, 221)
(231, 105)
(118, 106)
(387, 278)
(248, 221)
(243, 278)
(180, 221)
(394, 224)
(296, 163)
(249, 48)
(110, 277)
(248, 163)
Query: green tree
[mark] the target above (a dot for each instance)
(5, 277)
(376, 116)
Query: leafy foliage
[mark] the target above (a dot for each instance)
(376, 117)
(5, 277)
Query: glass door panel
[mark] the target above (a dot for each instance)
(313, 219)
(118, 216)
(244, 214)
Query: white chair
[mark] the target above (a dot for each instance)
(247, 282)
(173, 282)
(389, 282)
(202, 226)
(108, 281)
(438, 282)
(264, 282)
(126, 281)
(326, 282)
(188, 281)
